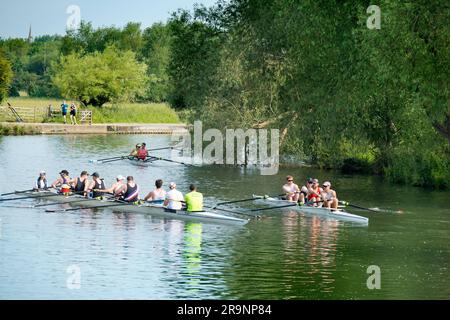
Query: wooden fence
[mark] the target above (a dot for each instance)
(24, 114)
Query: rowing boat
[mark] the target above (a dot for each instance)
(324, 212)
(145, 208)
(141, 163)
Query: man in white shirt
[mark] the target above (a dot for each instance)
(174, 198)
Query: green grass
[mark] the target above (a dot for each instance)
(118, 113)
(15, 130)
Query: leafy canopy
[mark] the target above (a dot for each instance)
(97, 78)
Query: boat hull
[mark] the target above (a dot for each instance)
(153, 210)
(324, 212)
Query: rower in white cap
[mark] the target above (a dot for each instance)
(329, 196)
(174, 198)
(41, 182)
(116, 186)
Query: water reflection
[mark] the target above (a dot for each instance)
(285, 255)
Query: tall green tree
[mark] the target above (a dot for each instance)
(194, 58)
(156, 54)
(5, 76)
(97, 78)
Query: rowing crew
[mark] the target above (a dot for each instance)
(123, 189)
(311, 193)
(140, 152)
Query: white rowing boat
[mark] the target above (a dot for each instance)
(146, 208)
(324, 212)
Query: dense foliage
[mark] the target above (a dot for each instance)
(97, 78)
(343, 95)
(5, 76)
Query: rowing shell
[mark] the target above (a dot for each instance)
(325, 212)
(154, 210)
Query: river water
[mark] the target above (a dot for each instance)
(283, 255)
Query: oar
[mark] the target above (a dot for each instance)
(92, 207)
(116, 159)
(248, 199)
(276, 207)
(168, 160)
(30, 197)
(16, 192)
(345, 203)
(235, 212)
(40, 196)
(105, 159)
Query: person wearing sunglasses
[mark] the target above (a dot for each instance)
(329, 196)
(291, 189)
(314, 193)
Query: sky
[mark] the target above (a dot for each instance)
(51, 17)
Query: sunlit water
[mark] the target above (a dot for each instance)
(283, 255)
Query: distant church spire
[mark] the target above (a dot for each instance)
(30, 37)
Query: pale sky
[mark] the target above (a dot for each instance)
(50, 17)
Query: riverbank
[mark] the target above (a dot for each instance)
(36, 109)
(8, 128)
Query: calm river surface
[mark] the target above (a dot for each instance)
(284, 255)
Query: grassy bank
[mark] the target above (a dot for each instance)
(118, 113)
(15, 130)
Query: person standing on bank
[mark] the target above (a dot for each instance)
(64, 108)
(73, 114)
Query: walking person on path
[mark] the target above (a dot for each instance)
(64, 108)
(73, 114)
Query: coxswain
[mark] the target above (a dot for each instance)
(158, 195)
(329, 196)
(194, 200)
(63, 179)
(291, 189)
(174, 198)
(130, 191)
(41, 181)
(96, 186)
(314, 193)
(80, 184)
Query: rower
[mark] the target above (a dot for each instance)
(130, 191)
(63, 179)
(304, 191)
(174, 198)
(314, 193)
(116, 186)
(194, 200)
(135, 151)
(158, 195)
(142, 153)
(41, 182)
(97, 186)
(291, 189)
(329, 196)
(81, 183)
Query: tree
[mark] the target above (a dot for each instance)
(156, 53)
(5, 76)
(97, 78)
(195, 56)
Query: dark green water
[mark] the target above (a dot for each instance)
(284, 255)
